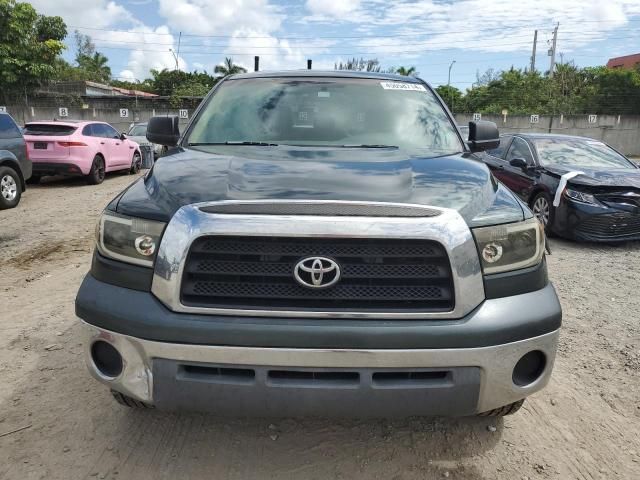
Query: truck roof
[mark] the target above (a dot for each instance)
(327, 73)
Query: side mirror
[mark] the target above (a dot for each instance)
(520, 163)
(483, 136)
(123, 136)
(163, 131)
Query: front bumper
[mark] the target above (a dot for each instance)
(334, 382)
(180, 361)
(594, 223)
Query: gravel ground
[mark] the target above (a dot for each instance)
(584, 425)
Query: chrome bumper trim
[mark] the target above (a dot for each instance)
(496, 362)
(447, 228)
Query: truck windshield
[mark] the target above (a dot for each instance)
(331, 112)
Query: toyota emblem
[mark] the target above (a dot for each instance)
(317, 272)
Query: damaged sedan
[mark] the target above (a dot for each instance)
(578, 187)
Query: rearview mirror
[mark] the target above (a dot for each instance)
(519, 163)
(163, 131)
(483, 136)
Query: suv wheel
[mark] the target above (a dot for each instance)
(136, 163)
(128, 401)
(96, 174)
(502, 411)
(10, 191)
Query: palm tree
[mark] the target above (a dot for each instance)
(411, 71)
(228, 68)
(97, 65)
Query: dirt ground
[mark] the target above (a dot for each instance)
(585, 425)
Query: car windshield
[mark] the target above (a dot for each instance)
(334, 112)
(138, 131)
(577, 153)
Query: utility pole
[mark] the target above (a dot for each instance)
(178, 55)
(533, 53)
(552, 51)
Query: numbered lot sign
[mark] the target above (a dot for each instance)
(593, 118)
(477, 117)
(3, 109)
(63, 112)
(124, 113)
(184, 113)
(535, 119)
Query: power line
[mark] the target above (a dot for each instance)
(502, 28)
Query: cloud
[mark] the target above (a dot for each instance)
(90, 13)
(156, 54)
(213, 17)
(325, 9)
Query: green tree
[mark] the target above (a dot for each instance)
(93, 65)
(229, 68)
(360, 65)
(29, 46)
(407, 72)
(451, 96)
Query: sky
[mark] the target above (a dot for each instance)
(137, 35)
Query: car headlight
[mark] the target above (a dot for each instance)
(581, 197)
(129, 239)
(511, 246)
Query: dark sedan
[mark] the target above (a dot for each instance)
(601, 203)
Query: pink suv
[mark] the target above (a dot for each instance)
(79, 148)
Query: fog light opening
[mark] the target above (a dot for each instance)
(529, 368)
(106, 358)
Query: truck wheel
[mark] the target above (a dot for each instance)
(10, 190)
(136, 163)
(502, 411)
(128, 401)
(96, 174)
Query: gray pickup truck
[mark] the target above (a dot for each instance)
(15, 166)
(320, 243)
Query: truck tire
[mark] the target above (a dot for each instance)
(96, 174)
(128, 401)
(502, 411)
(10, 190)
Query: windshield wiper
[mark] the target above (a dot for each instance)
(368, 146)
(259, 144)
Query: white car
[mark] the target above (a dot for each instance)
(138, 133)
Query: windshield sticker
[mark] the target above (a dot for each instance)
(415, 87)
(323, 94)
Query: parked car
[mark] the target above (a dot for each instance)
(79, 148)
(600, 204)
(320, 243)
(138, 133)
(15, 166)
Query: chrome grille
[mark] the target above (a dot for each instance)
(377, 274)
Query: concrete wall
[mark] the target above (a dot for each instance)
(104, 109)
(620, 131)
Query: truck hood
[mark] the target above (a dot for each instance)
(183, 177)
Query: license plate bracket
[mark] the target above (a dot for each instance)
(40, 145)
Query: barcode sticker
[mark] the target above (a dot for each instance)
(415, 87)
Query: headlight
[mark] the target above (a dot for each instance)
(581, 197)
(129, 239)
(510, 246)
